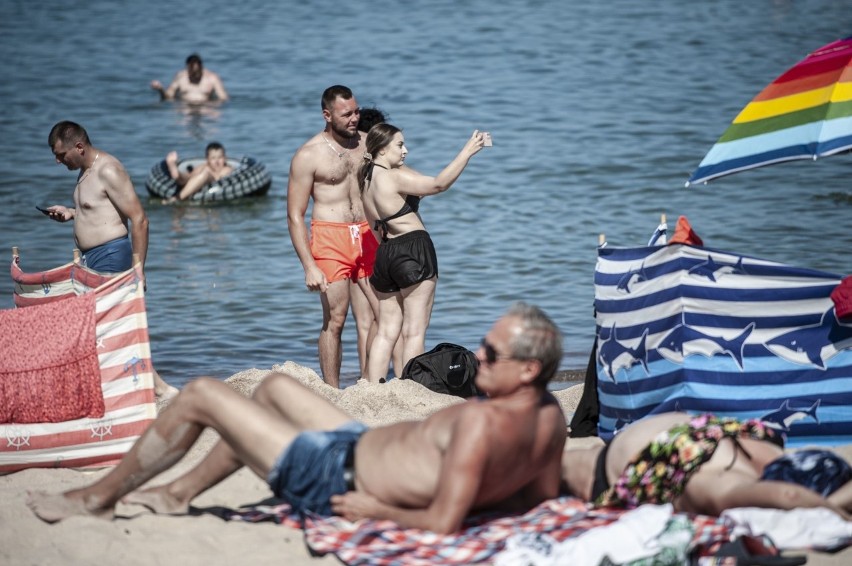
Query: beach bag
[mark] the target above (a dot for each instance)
(446, 368)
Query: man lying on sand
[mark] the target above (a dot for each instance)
(703, 464)
(501, 452)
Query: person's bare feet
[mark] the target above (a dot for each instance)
(53, 507)
(162, 390)
(158, 500)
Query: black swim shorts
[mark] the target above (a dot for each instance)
(404, 261)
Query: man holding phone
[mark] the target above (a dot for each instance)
(104, 202)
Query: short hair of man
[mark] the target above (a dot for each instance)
(379, 137)
(369, 118)
(539, 339)
(194, 58)
(332, 93)
(69, 133)
(212, 146)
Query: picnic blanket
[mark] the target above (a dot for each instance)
(482, 539)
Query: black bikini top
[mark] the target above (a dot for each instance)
(411, 205)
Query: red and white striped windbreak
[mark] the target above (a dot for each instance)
(124, 357)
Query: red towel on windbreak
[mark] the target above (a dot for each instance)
(49, 369)
(684, 234)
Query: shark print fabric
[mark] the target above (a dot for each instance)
(689, 328)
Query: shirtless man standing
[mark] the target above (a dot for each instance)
(338, 256)
(104, 202)
(195, 84)
(497, 453)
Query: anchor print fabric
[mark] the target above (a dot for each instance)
(125, 383)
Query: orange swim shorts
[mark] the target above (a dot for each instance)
(343, 250)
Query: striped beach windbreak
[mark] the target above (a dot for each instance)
(124, 357)
(690, 328)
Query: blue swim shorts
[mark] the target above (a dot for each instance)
(315, 467)
(819, 470)
(114, 256)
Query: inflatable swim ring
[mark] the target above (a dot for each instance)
(250, 178)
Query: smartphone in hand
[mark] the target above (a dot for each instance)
(43, 210)
(486, 139)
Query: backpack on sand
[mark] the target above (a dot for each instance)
(446, 368)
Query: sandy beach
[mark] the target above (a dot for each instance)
(140, 537)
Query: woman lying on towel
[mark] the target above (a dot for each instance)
(705, 464)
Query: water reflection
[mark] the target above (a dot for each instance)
(199, 119)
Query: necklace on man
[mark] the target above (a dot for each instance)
(331, 147)
(86, 174)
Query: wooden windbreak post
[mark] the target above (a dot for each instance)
(601, 239)
(663, 218)
(76, 255)
(15, 253)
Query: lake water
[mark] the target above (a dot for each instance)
(598, 111)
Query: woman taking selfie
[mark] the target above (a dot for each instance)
(406, 268)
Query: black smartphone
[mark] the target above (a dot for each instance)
(44, 210)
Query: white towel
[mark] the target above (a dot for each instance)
(634, 536)
(812, 528)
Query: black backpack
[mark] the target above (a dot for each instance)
(446, 368)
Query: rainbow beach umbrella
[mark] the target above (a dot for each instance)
(805, 113)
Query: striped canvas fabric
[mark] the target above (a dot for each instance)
(691, 328)
(803, 114)
(124, 356)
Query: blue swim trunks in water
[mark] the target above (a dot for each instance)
(317, 465)
(114, 256)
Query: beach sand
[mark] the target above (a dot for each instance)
(139, 537)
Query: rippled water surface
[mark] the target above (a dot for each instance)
(598, 111)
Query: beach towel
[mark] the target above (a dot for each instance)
(49, 369)
(125, 381)
(691, 328)
(481, 540)
(814, 528)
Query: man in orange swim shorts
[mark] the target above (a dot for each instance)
(339, 254)
(343, 251)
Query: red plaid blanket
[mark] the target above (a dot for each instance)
(482, 537)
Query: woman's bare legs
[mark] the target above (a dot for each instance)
(388, 333)
(417, 302)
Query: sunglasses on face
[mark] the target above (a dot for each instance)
(491, 355)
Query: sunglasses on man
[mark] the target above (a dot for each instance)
(491, 355)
